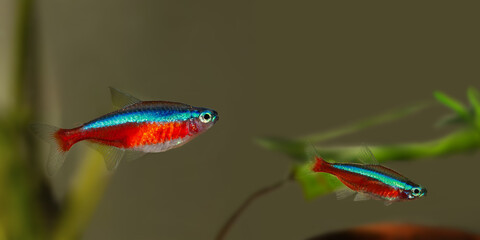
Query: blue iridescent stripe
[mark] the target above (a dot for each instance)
(162, 116)
(375, 175)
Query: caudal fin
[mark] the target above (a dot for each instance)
(319, 165)
(56, 157)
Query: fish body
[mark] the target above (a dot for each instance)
(137, 126)
(372, 180)
(145, 126)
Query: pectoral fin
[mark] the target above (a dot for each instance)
(344, 193)
(362, 197)
(388, 203)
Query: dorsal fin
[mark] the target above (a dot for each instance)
(121, 99)
(366, 156)
(311, 152)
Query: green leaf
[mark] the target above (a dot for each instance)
(315, 184)
(453, 104)
(297, 148)
(293, 148)
(474, 98)
(453, 119)
(366, 123)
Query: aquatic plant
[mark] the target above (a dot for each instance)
(28, 209)
(465, 139)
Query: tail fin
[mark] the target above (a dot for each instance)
(48, 133)
(319, 165)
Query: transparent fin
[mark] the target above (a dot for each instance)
(56, 156)
(132, 155)
(311, 152)
(121, 99)
(362, 197)
(366, 156)
(55, 160)
(111, 155)
(388, 203)
(45, 132)
(344, 193)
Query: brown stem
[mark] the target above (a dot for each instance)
(254, 196)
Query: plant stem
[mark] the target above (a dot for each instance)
(254, 196)
(26, 205)
(456, 142)
(82, 198)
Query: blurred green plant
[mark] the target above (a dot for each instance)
(82, 198)
(28, 209)
(26, 205)
(300, 150)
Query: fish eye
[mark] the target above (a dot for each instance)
(206, 117)
(416, 191)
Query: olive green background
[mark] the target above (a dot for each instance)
(284, 68)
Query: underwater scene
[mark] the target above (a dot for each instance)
(285, 120)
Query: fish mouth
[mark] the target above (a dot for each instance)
(216, 117)
(424, 193)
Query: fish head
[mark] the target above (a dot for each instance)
(204, 118)
(415, 191)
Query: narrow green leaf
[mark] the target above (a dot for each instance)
(453, 119)
(366, 123)
(474, 98)
(293, 148)
(296, 148)
(453, 104)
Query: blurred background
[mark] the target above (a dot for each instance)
(278, 68)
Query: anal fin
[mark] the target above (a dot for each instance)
(132, 155)
(111, 155)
